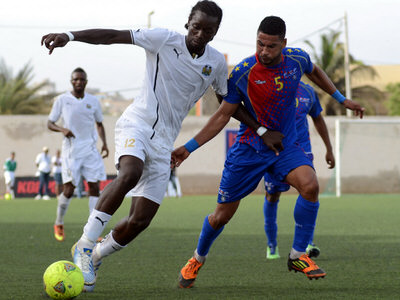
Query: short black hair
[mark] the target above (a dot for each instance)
(79, 70)
(273, 25)
(210, 8)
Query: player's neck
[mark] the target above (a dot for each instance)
(78, 95)
(195, 53)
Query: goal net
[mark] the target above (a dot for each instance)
(367, 156)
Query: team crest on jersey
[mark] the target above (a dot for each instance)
(88, 106)
(207, 69)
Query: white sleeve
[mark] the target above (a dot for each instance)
(55, 112)
(220, 83)
(37, 160)
(150, 39)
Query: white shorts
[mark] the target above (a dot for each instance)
(9, 177)
(134, 141)
(91, 167)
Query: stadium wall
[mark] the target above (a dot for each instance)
(201, 173)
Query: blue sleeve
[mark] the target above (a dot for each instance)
(234, 96)
(308, 63)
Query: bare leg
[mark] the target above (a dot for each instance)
(129, 174)
(142, 212)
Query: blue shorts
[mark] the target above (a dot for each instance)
(244, 168)
(273, 186)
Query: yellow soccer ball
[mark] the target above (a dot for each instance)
(63, 280)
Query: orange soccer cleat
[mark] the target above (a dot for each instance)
(306, 265)
(59, 232)
(189, 273)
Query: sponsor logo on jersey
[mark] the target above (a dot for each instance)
(224, 195)
(304, 100)
(291, 73)
(178, 52)
(259, 81)
(207, 69)
(88, 106)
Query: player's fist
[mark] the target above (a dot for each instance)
(179, 155)
(54, 40)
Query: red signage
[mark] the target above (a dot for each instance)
(28, 187)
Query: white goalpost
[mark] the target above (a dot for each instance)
(367, 155)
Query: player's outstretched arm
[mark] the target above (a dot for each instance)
(90, 36)
(319, 77)
(214, 125)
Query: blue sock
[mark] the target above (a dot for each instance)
(207, 237)
(305, 215)
(270, 226)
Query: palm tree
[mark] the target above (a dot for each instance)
(393, 103)
(331, 60)
(17, 96)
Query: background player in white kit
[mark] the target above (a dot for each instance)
(179, 69)
(80, 112)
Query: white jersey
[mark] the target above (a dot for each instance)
(79, 116)
(174, 82)
(43, 162)
(56, 162)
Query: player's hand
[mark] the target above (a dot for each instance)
(54, 40)
(179, 155)
(354, 106)
(273, 140)
(330, 159)
(104, 150)
(68, 133)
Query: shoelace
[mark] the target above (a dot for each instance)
(193, 267)
(85, 263)
(310, 262)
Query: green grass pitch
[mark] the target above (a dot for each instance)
(358, 235)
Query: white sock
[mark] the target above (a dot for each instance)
(107, 246)
(63, 203)
(295, 254)
(92, 203)
(199, 258)
(93, 229)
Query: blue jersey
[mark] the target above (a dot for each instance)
(307, 103)
(269, 94)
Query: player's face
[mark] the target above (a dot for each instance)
(269, 48)
(78, 81)
(201, 30)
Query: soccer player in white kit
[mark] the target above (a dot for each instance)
(80, 112)
(179, 69)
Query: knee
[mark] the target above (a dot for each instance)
(310, 190)
(93, 189)
(68, 191)
(272, 197)
(128, 179)
(217, 220)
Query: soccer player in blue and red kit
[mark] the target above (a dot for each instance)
(307, 103)
(266, 83)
